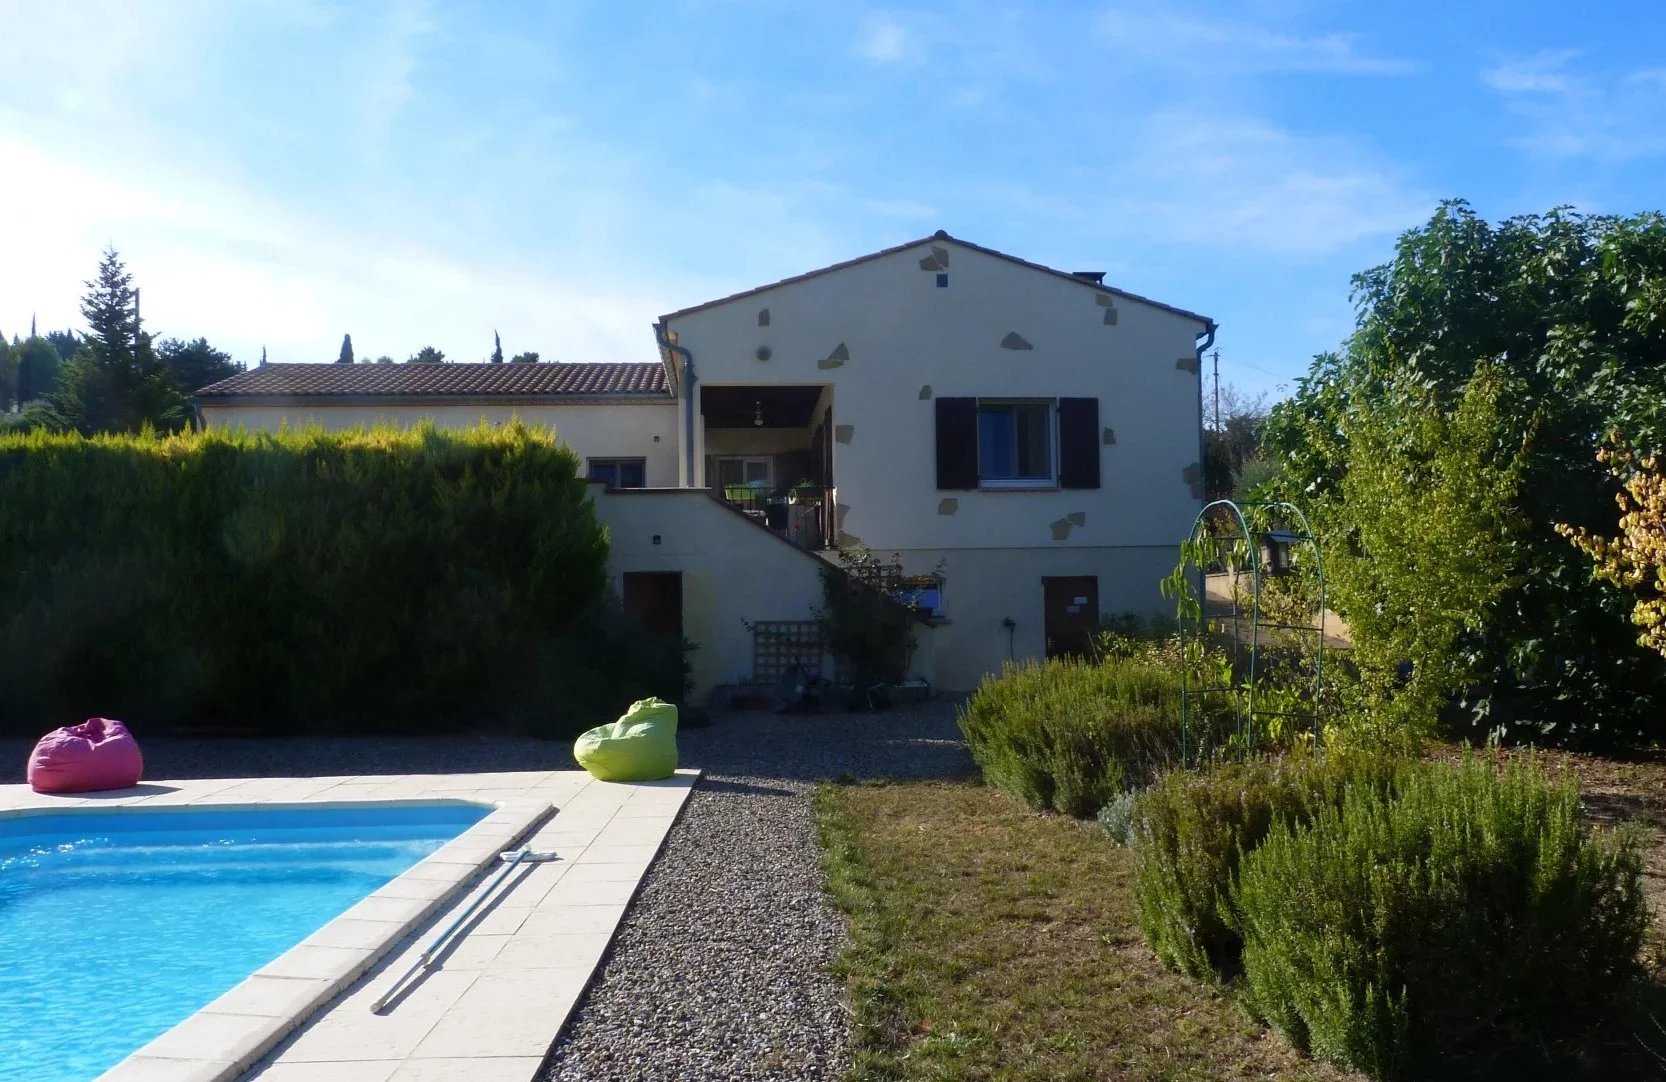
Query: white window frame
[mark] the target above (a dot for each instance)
(745, 460)
(1051, 413)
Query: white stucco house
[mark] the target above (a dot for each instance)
(1023, 441)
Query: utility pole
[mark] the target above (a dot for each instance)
(1216, 357)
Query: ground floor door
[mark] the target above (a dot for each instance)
(655, 599)
(1070, 613)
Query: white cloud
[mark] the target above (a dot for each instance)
(1213, 45)
(1541, 73)
(884, 40)
(1241, 182)
(1566, 112)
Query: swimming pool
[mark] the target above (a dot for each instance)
(114, 926)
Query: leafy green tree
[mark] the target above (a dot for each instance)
(115, 382)
(64, 342)
(1568, 311)
(37, 364)
(497, 349)
(191, 366)
(346, 354)
(1232, 439)
(529, 357)
(384, 359)
(8, 376)
(426, 355)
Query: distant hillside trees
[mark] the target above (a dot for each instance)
(529, 357)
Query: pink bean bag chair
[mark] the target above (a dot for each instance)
(97, 754)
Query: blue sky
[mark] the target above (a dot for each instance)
(278, 172)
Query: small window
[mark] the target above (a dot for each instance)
(1015, 443)
(922, 593)
(620, 472)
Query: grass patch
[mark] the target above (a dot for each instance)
(989, 942)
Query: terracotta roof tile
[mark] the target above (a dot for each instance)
(440, 381)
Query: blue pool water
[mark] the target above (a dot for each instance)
(114, 926)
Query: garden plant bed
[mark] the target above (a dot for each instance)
(992, 942)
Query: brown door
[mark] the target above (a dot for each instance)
(655, 599)
(1071, 606)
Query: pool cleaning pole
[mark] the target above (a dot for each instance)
(512, 859)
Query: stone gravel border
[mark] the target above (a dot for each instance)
(720, 969)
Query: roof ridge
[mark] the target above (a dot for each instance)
(939, 235)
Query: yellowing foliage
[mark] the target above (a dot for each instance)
(1636, 559)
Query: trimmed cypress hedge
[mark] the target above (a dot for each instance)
(387, 580)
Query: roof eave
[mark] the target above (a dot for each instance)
(940, 236)
(627, 399)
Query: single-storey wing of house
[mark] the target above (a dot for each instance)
(1022, 441)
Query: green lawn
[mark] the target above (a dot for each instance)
(990, 942)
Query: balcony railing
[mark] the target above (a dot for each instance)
(801, 516)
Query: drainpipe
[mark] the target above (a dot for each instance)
(666, 344)
(1205, 339)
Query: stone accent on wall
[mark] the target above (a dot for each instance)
(1193, 476)
(1108, 437)
(1110, 317)
(1078, 518)
(1014, 340)
(948, 505)
(836, 359)
(763, 353)
(1061, 528)
(1104, 300)
(929, 263)
(844, 433)
(848, 540)
(763, 317)
(1187, 364)
(827, 363)
(925, 393)
(840, 510)
(941, 255)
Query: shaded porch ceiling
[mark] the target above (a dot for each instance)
(740, 407)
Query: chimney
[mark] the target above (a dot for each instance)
(1096, 277)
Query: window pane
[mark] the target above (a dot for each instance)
(997, 443)
(728, 471)
(604, 471)
(632, 473)
(1034, 446)
(757, 469)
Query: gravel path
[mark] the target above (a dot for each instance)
(719, 970)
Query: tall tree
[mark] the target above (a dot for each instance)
(497, 349)
(8, 376)
(263, 356)
(64, 342)
(529, 357)
(1570, 310)
(114, 382)
(37, 365)
(192, 366)
(427, 355)
(346, 354)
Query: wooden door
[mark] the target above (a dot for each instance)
(655, 599)
(1070, 613)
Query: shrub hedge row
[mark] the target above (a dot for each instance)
(1192, 828)
(1068, 735)
(1458, 927)
(306, 581)
(1406, 919)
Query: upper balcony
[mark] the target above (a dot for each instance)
(768, 452)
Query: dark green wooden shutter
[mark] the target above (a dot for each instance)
(957, 443)
(1078, 443)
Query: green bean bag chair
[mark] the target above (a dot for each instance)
(641, 746)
